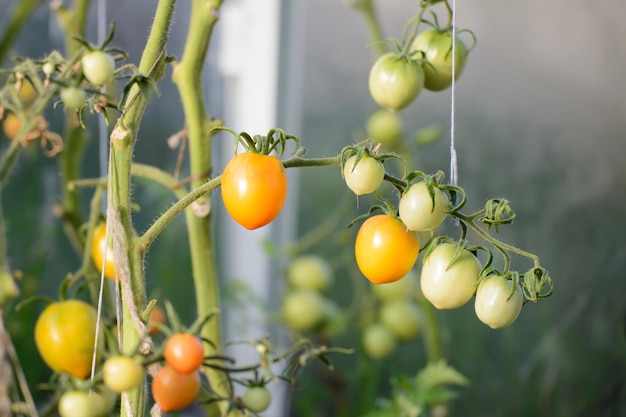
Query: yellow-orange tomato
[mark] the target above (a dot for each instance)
(64, 335)
(173, 390)
(385, 250)
(254, 188)
(98, 247)
(11, 125)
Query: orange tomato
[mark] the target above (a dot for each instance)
(254, 188)
(173, 390)
(11, 125)
(184, 352)
(156, 316)
(98, 247)
(385, 250)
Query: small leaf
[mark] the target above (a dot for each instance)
(439, 373)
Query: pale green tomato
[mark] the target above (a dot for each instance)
(98, 67)
(378, 341)
(73, 97)
(417, 210)
(257, 399)
(385, 127)
(447, 285)
(402, 317)
(395, 81)
(397, 290)
(365, 176)
(304, 309)
(309, 272)
(493, 305)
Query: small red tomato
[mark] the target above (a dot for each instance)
(173, 390)
(184, 352)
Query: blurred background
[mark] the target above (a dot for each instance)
(540, 120)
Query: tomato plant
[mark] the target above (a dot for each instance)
(98, 67)
(173, 390)
(436, 45)
(419, 210)
(395, 81)
(497, 304)
(98, 249)
(73, 97)
(385, 251)
(256, 398)
(448, 279)
(309, 272)
(65, 333)
(184, 352)
(122, 373)
(254, 188)
(364, 175)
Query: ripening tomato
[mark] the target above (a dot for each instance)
(256, 399)
(378, 341)
(121, 373)
(11, 125)
(493, 305)
(184, 352)
(365, 176)
(385, 250)
(98, 247)
(157, 316)
(309, 272)
(27, 93)
(395, 81)
(173, 390)
(421, 212)
(385, 127)
(73, 97)
(65, 334)
(254, 188)
(402, 317)
(437, 48)
(98, 67)
(448, 284)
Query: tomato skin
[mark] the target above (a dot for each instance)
(449, 286)
(304, 310)
(173, 390)
(309, 272)
(256, 399)
(184, 352)
(402, 317)
(64, 335)
(73, 97)
(437, 48)
(395, 81)
(98, 246)
(121, 373)
(398, 290)
(385, 251)
(365, 176)
(11, 125)
(416, 208)
(493, 306)
(75, 404)
(378, 341)
(385, 127)
(98, 67)
(254, 188)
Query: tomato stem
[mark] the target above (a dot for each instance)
(373, 25)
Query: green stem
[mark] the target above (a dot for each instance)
(21, 13)
(188, 78)
(373, 26)
(415, 22)
(432, 334)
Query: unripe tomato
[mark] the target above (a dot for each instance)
(402, 317)
(385, 251)
(385, 127)
(173, 390)
(98, 247)
(121, 373)
(447, 285)
(184, 352)
(75, 404)
(437, 48)
(401, 289)
(65, 334)
(365, 176)
(27, 93)
(309, 272)
(378, 341)
(256, 399)
(493, 305)
(73, 97)
(98, 67)
(11, 125)
(254, 188)
(304, 309)
(395, 81)
(419, 211)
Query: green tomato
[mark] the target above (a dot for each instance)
(378, 341)
(73, 97)
(98, 67)
(397, 290)
(402, 317)
(493, 305)
(122, 373)
(257, 399)
(419, 211)
(385, 127)
(395, 81)
(365, 176)
(304, 309)
(309, 272)
(437, 48)
(97, 403)
(449, 285)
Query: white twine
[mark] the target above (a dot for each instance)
(453, 159)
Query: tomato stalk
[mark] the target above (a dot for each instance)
(373, 25)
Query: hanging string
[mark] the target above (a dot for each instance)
(454, 176)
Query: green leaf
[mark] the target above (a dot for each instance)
(439, 373)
